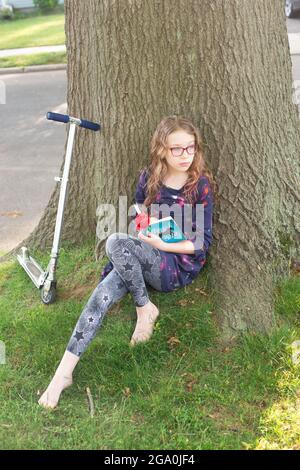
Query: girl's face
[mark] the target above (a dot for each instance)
(181, 151)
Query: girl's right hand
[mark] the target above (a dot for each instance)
(153, 219)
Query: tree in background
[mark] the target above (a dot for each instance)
(224, 64)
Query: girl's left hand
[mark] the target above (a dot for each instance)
(153, 240)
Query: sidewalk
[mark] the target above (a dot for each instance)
(31, 50)
(294, 43)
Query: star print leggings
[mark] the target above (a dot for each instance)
(135, 262)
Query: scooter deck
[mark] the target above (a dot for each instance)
(33, 269)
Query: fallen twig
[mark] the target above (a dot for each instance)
(91, 402)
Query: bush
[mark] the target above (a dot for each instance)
(45, 5)
(6, 12)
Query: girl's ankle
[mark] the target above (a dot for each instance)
(63, 375)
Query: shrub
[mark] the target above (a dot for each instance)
(45, 5)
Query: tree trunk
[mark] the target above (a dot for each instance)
(226, 65)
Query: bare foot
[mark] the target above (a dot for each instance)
(50, 397)
(146, 318)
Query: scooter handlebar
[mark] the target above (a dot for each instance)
(93, 126)
(58, 117)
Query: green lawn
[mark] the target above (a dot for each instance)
(33, 59)
(45, 30)
(183, 389)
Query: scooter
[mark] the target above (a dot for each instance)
(46, 280)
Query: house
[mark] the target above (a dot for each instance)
(24, 4)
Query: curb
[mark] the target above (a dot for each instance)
(32, 68)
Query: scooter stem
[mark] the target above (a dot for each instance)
(63, 192)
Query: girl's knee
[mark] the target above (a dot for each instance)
(114, 240)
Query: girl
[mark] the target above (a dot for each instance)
(177, 174)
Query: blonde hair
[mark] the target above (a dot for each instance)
(158, 165)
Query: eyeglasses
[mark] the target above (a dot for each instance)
(178, 151)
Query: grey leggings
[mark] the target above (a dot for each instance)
(135, 262)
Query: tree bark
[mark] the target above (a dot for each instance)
(226, 65)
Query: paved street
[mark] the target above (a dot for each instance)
(31, 150)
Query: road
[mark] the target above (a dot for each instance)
(31, 150)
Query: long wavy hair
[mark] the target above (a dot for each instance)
(157, 168)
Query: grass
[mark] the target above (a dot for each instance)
(181, 390)
(33, 59)
(31, 31)
(45, 30)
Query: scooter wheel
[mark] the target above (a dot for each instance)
(50, 297)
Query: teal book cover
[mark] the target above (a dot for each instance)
(167, 229)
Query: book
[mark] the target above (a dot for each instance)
(167, 229)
